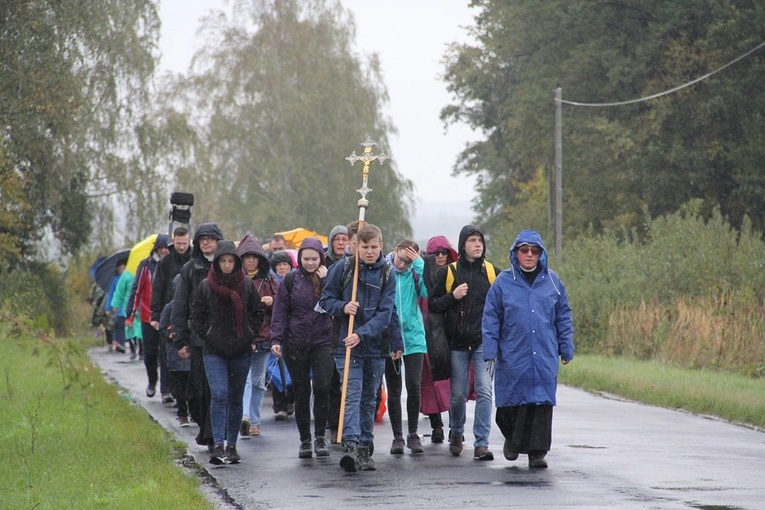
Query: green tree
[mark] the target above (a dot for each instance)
(75, 76)
(273, 103)
(702, 142)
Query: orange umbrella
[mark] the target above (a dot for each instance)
(296, 236)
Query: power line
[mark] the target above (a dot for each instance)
(670, 91)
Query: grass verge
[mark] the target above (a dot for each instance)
(71, 441)
(733, 397)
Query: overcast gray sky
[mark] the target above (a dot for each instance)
(410, 36)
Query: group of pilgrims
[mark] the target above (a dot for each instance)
(218, 323)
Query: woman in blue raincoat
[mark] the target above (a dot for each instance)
(527, 331)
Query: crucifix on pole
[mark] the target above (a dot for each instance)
(366, 157)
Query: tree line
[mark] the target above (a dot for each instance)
(257, 128)
(702, 142)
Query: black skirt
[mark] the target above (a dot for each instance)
(528, 427)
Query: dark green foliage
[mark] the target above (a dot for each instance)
(683, 257)
(702, 142)
(72, 77)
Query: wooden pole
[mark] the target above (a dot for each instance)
(367, 157)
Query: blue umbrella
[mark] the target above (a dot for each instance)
(108, 268)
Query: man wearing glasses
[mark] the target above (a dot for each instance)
(459, 293)
(527, 330)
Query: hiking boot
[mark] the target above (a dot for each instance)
(455, 445)
(349, 461)
(281, 416)
(305, 450)
(413, 443)
(320, 447)
(255, 430)
(218, 456)
(482, 453)
(537, 460)
(119, 349)
(133, 353)
(244, 428)
(508, 451)
(231, 455)
(167, 398)
(151, 390)
(365, 460)
(183, 421)
(290, 409)
(438, 435)
(397, 447)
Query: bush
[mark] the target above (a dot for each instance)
(690, 293)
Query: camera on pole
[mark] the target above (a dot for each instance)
(180, 212)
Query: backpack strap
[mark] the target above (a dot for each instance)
(289, 281)
(450, 275)
(491, 273)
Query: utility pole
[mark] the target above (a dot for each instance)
(558, 175)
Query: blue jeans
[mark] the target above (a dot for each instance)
(255, 387)
(226, 378)
(459, 391)
(364, 378)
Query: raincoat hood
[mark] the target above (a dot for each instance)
(205, 229)
(224, 248)
(251, 244)
(528, 237)
(467, 231)
(162, 241)
(441, 243)
(312, 243)
(337, 229)
(281, 256)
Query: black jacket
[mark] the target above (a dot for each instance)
(463, 317)
(162, 285)
(215, 324)
(192, 274)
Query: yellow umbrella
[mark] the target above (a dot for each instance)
(296, 236)
(138, 252)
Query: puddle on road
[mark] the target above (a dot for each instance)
(586, 446)
(715, 507)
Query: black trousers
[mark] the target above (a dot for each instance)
(302, 363)
(528, 427)
(178, 382)
(198, 393)
(413, 378)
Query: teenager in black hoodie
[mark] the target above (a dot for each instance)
(226, 315)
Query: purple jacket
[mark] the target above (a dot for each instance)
(294, 320)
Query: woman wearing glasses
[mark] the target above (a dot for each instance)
(437, 365)
(527, 331)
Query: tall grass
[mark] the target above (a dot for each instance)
(690, 291)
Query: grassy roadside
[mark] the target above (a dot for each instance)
(733, 397)
(71, 440)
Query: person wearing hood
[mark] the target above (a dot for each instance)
(527, 332)
(139, 307)
(337, 244)
(408, 269)
(437, 363)
(303, 337)
(459, 293)
(187, 342)
(257, 267)
(226, 316)
(283, 402)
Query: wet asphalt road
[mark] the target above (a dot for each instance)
(606, 453)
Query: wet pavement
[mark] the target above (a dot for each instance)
(606, 453)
